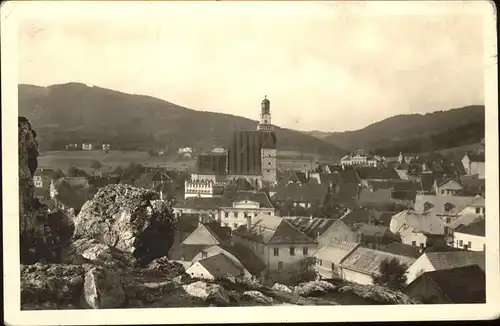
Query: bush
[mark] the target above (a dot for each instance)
(392, 274)
(95, 164)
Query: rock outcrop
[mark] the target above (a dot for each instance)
(42, 235)
(129, 219)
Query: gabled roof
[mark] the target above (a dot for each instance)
(425, 223)
(449, 183)
(49, 173)
(327, 178)
(220, 265)
(458, 203)
(336, 251)
(255, 196)
(273, 229)
(222, 234)
(460, 285)
(146, 180)
(447, 260)
(394, 184)
(383, 218)
(349, 175)
(356, 216)
(427, 181)
(246, 257)
(345, 194)
(313, 227)
(199, 203)
(367, 261)
(208, 234)
(477, 228)
(378, 196)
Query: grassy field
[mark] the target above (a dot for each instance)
(82, 159)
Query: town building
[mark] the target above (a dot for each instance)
(242, 257)
(447, 187)
(205, 236)
(43, 177)
(362, 264)
(329, 257)
(106, 147)
(361, 159)
(238, 207)
(205, 188)
(418, 229)
(71, 147)
(460, 285)
(434, 261)
(279, 244)
(474, 163)
(214, 267)
(87, 146)
(298, 194)
(471, 237)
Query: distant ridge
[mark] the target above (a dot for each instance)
(75, 112)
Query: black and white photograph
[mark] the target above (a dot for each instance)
(249, 161)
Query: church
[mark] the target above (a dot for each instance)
(251, 154)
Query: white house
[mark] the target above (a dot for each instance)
(86, 147)
(236, 210)
(330, 256)
(106, 147)
(417, 229)
(447, 187)
(185, 150)
(474, 163)
(433, 261)
(213, 267)
(364, 263)
(203, 188)
(470, 237)
(360, 158)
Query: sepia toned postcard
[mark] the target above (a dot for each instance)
(186, 162)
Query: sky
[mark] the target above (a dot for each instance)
(323, 66)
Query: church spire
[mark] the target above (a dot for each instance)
(265, 116)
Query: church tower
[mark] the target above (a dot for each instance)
(268, 144)
(265, 116)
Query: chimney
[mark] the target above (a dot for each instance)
(200, 219)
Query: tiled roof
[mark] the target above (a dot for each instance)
(458, 203)
(301, 193)
(349, 175)
(314, 227)
(220, 265)
(246, 257)
(334, 178)
(187, 223)
(402, 249)
(368, 261)
(394, 184)
(238, 185)
(199, 203)
(222, 234)
(476, 228)
(383, 218)
(356, 216)
(475, 157)
(449, 183)
(335, 251)
(460, 285)
(377, 173)
(345, 194)
(425, 223)
(256, 196)
(50, 173)
(378, 196)
(273, 229)
(447, 260)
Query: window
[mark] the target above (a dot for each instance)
(332, 267)
(414, 243)
(204, 254)
(478, 210)
(292, 251)
(305, 251)
(460, 243)
(321, 262)
(267, 170)
(442, 191)
(276, 251)
(448, 220)
(268, 163)
(280, 265)
(235, 225)
(469, 245)
(226, 215)
(226, 224)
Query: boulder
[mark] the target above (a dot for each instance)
(218, 296)
(42, 235)
(92, 252)
(103, 289)
(258, 297)
(379, 293)
(148, 292)
(199, 289)
(171, 268)
(282, 287)
(129, 219)
(51, 285)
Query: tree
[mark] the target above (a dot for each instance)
(392, 274)
(95, 164)
(306, 270)
(118, 170)
(59, 174)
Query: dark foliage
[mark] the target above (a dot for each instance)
(392, 274)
